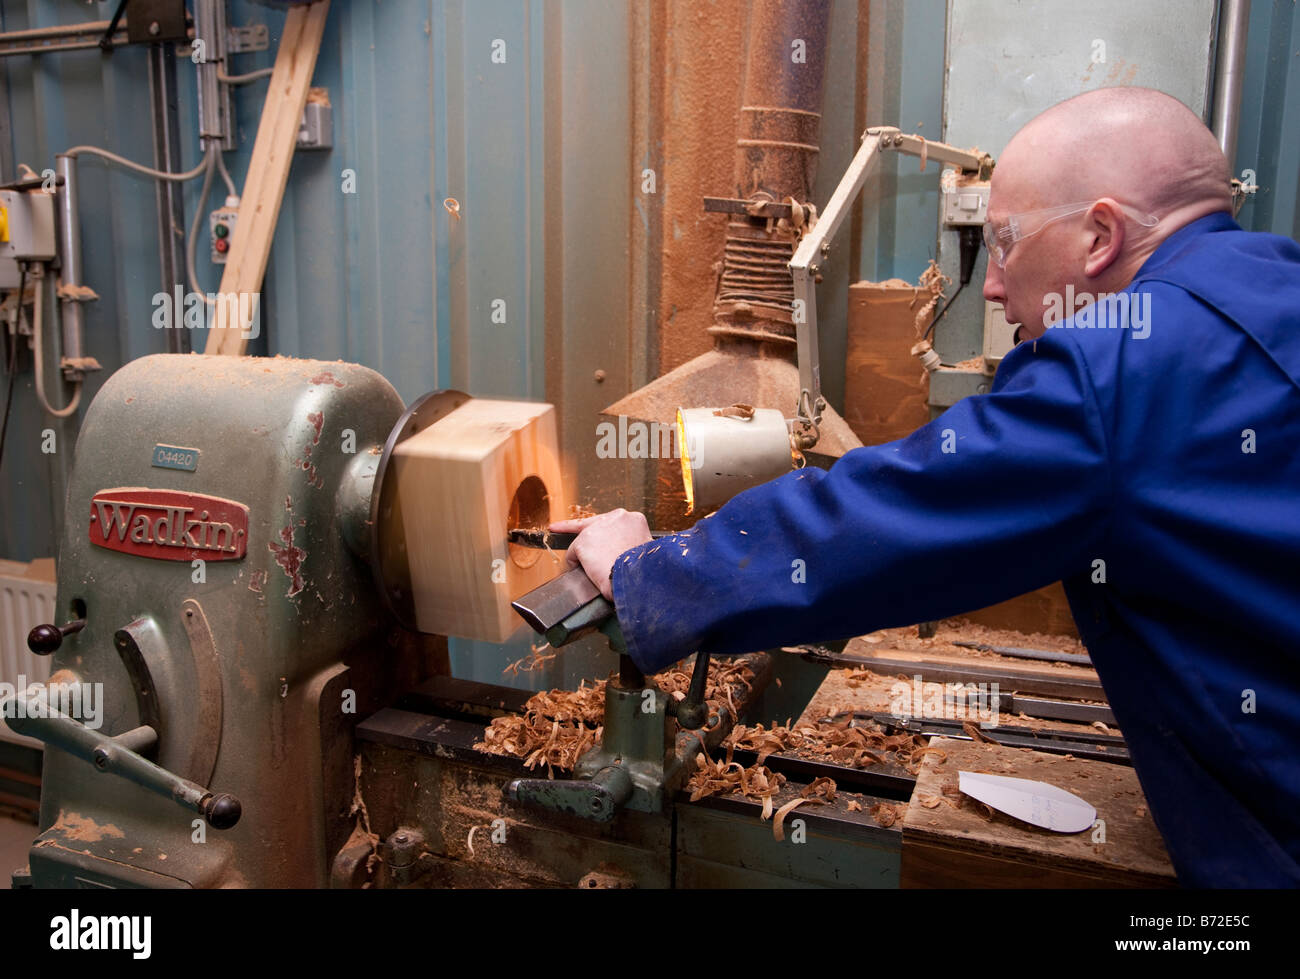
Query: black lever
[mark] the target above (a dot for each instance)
(692, 712)
(46, 639)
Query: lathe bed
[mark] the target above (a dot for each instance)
(422, 778)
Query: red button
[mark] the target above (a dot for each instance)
(222, 245)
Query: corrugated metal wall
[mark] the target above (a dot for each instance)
(541, 152)
(1269, 139)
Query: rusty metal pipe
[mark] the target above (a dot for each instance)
(780, 115)
(776, 157)
(777, 147)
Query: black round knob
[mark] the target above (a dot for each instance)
(691, 716)
(222, 811)
(44, 639)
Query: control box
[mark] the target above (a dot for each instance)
(221, 228)
(316, 130)
(965, 201)
(27, 226)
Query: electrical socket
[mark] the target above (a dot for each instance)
(966, 205)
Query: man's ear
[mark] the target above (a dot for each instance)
(1103, 237)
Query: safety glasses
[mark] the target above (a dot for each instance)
(1019, 226)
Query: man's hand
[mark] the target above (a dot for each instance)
(601, 539)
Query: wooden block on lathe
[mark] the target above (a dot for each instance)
(462, 484)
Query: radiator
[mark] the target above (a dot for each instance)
(26, 600)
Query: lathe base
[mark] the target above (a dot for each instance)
(422, 778)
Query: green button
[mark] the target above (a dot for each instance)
(221, 231)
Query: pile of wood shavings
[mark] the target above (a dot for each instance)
(555, 730)
(558, 727)
(835, 742)
(725, 682)
(757, 782)
(761, 784)
(728, 777)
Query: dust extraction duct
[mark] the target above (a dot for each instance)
(753, 356)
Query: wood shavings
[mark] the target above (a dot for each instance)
(934, 282)
(858, 677)
(535, 659)
(834, 741)
(726, 681)
(972, 729)
(929, 801)
(557, 727)
(735, 411)
(918, 756)
(363, 829)
(885, 814)
(726, 777)
(853, 805)
(778, 825)
(469, 842)
(818, 792)
(821, 787)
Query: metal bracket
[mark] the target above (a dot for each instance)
(240, 40)
(891, 138)
(816, 244)
(151, 22)
(208, 703)
(1240, 191)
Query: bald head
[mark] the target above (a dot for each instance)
(1133, 153)
(1137, 145)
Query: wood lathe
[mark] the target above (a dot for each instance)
(276, 704)
(277, 708)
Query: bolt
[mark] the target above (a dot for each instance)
(155, 28)
(599, 376)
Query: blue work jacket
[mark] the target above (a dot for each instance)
(1147, 452)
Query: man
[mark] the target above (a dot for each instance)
(1145, 449)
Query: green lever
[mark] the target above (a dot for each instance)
(39, 719)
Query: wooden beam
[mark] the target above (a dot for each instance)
(268, 172)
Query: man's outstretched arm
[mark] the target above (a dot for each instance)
(1002, 494)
